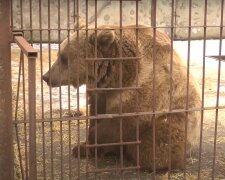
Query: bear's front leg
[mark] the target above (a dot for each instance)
(82, 150)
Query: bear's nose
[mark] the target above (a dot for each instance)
(45, 78)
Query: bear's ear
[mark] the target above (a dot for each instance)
(104, 39)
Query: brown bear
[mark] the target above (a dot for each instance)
(154, 99)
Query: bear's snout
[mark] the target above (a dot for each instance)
(45, 77)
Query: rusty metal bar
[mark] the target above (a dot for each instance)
(170, 86)
(68, 87)
(60, 93)
(31, 53)
(121, 85)
(78, 92)
(42, 92)
(31, 22)
(222, 57)
(6, 133)
(113, 89)
(113, 144)
(32, 117)
(16, 127)
(203, 91)
(218, 90)
(24, 115)
(50, 90)
(153, 24)
(96, 95)
(87, 107)
(118, 28)
(27, 49)
(137, 94)
(113, 59)
(187, 87)
(114, 169)
(109, 116)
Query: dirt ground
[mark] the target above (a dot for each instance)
(55, 139)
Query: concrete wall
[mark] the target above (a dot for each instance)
(108, 13)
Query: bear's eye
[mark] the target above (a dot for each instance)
(64, 60)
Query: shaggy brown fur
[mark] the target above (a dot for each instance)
(106, 74)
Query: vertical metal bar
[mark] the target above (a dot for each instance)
(74, 12)
(96, 85)
(24, 113)
(16, 113)
(27, 49)
(21, 14)
(171, 87)
(6, 133)
(187, 87)
(60, 63)
(218, 89)
(121, 85)
(137, 95)
(11, 15)
(153, 23)
(69, 96)
(50, 92)
(87, 109)
(42, 94)
(24, 100)
(78, 94)
(203, 91)
(60, 93)
(31, 24)
(32, 118)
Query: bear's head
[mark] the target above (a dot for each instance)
(77, 61)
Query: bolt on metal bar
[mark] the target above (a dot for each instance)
(31, 54)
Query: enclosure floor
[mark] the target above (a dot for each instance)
(65, 133)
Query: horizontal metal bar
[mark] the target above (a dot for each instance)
(112, 144)
(113, 169)
(113, 59)
(110, 116)
(112, 89)
(115, 28)
(27, 49)
(222, 57)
